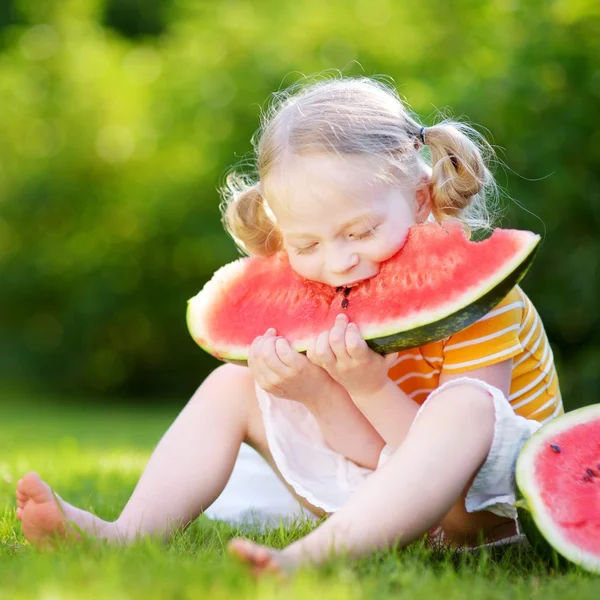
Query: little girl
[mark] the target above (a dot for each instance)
(388, 446)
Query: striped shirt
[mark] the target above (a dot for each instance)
(512, 330)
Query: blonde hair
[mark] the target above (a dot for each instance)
(359, 116)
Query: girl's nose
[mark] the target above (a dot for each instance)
(341, 262)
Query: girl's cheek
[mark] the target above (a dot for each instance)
(390, 246)
(301, 264)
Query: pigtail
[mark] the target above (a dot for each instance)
(460, 178)
(246, 219)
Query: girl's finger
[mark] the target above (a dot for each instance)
(254, 348)
(356, 347)
(258, 344)
(259, 370)
(271, 358)
(390, 359)
(323, 352)
(311, 351)
(257, 359)
(287, 355)
(337, 337)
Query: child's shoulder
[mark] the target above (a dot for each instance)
(493, 338)
(512, 306)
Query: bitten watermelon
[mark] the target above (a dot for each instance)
(558, 477)
(438, 283)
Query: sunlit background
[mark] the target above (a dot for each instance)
(120, 118)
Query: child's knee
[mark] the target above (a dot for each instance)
(225, 385)
(474, 398)
(472, 401)
(230, 374)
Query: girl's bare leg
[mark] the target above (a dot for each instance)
(420, 486)
(186, 472)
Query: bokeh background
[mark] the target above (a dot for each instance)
(120, 118)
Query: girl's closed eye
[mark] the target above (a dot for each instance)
(364, 234)
(306, 250)
(354, 236)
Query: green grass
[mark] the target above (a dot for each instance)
(93, 456)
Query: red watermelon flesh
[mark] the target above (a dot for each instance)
(437, 274)
(558, 474)
(575, 468)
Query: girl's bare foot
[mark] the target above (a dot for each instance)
(262, 559)
(46, 518)
(41, 512)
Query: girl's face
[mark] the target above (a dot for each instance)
(339, 223)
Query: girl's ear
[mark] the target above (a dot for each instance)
(424, 200)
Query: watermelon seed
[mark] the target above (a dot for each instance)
(345, 303)
(339, 289)
(347, 292)
(555, 447)
(591, 473)
(587, 478)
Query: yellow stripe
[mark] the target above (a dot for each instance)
(485, 360)
(483, 338)
(499, 311)
(541, 415)
(539, 375)
(536, 392)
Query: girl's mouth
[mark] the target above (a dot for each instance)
(352, 283)
(346, 292)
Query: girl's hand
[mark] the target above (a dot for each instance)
(285, 373)
(348, 359)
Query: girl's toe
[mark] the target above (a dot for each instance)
(262, 556)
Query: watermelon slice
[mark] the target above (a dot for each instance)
(438, 283)
(558, 477)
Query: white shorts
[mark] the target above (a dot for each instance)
(327, 479)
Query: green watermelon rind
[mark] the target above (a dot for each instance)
(385, 338)
(526, 485)
(471, 309)
(536, 540)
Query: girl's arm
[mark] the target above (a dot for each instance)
(499, 375)
(391, 412)
(363, 373)
(283, 372)
(345, 428)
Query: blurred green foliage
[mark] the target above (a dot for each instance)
(119, 118)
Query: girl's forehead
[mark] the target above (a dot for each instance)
(327, 168)
(318, 219)
(309, 184)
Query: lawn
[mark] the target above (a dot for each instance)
(93, 456)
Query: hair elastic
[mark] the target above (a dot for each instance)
(422, 136)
